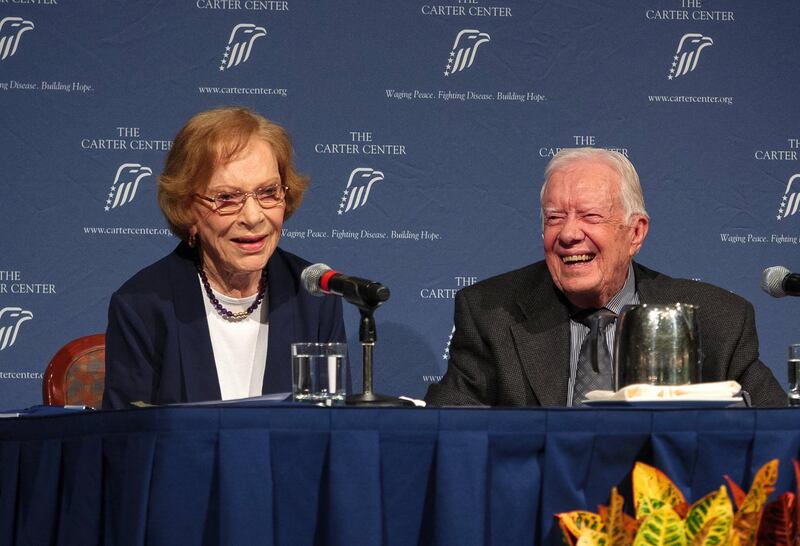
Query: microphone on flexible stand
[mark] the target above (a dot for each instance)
(778, 281)
(318, 280)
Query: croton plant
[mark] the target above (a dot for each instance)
(663, 516)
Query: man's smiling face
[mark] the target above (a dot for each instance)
(588, 241)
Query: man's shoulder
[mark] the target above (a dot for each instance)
(651, 282)
(510, 284)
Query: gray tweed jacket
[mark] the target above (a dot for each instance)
(512, 340)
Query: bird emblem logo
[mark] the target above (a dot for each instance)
(790, 201)
(464, 49)
(126, 182)
(240, 44)
(11, 30)
(688, 54)
(359, 185)
(11, 318)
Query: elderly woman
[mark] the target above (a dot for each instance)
(214, 319)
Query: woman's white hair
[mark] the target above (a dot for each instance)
(630, 190)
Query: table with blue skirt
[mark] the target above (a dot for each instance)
(297, 475)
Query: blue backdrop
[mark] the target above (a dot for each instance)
(448, 112)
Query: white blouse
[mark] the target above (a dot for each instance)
(240, 347)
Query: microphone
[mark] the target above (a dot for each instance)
(319, 279)
(777, 281)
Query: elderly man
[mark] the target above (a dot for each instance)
(526, 338)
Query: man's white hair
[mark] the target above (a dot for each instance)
(630, 190)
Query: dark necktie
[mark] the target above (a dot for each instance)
(594, 359)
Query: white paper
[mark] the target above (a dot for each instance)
(720, 390)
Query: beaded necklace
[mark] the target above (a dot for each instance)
(225, 313)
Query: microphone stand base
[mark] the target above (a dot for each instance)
(376, 400)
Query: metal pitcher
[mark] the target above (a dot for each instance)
(657, 344)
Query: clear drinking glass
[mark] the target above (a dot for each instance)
(794, 374)
(319, 372)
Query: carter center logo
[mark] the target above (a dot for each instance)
(688, 53)
(126, 182)
(358, 187)
(240, 44)
(790, 201)
(11, 29)
(465, 46)
(10, 320)
(446, 353)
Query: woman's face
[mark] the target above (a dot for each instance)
(240, 243)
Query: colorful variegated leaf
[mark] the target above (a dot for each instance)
(778, 525)
(796, 466)
(577, 521)
(629, 524)
(619, 531)
(593, 538)
(745, 528)
(715, 532)
(652, 489)
(745, 522)
(566, 536)
(682, 509)
(737, 492)
(661, 527)
(712, 507)
(762, 487)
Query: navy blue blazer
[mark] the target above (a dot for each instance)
(158, 349)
